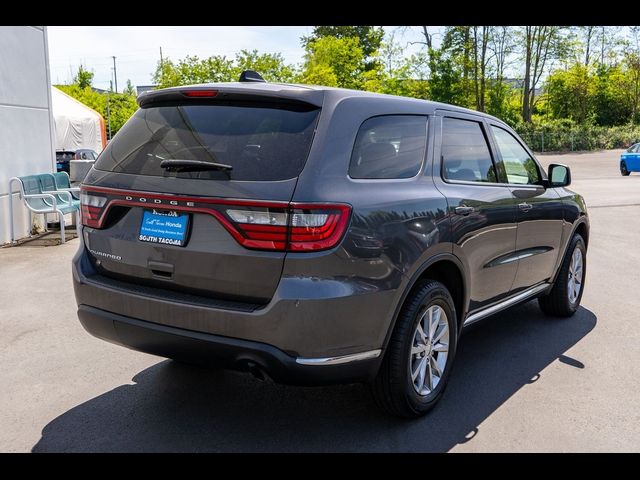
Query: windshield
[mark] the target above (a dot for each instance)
(260, 143)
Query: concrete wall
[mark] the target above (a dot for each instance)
(26, 121)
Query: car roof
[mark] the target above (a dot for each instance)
(314, 94)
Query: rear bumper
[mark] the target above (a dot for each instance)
(313, 331)
(230, 353)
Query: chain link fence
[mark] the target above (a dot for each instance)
(570, 141)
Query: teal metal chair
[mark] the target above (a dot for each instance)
(48, 185)
(63, 182)
(33, 190)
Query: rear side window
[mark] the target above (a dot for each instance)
(465, 153)
(260, 143)
(391, 146)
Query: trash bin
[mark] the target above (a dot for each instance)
(78, 169)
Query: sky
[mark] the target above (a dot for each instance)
(137, 49)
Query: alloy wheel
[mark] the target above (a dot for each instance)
(429, 350)
(574, 282)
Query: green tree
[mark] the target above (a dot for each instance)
(570, 93)
(446, 83)
(480, 45)
(501, 47)
(408, 79)
(83, 77)
(271, 66)
(540, 45)
(369, 37)
(334, 62)
(129, 90)
(193, 70)
(632, 83)
(466, 52)
(610, 103)
(121, 105)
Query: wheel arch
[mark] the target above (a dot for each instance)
(447, 269)
(581, 226)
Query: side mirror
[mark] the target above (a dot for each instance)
(559, 175)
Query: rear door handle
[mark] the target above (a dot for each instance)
(525, 207)
(464, 210)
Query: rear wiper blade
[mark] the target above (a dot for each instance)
(175, 165)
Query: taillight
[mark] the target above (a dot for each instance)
(316, 227)
(91, 208)
(259, 228)
(255, 224)
(301, 228)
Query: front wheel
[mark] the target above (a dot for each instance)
(564, 298)
(418, 360)
(623, 169)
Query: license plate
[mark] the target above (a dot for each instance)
(167, 227)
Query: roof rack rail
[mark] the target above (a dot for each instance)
(251, 76)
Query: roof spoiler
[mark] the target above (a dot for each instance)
(251, 76)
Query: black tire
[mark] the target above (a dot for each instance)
(393, 388)
(557, 303)
(623, 169)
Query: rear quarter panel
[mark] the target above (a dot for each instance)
(396, 224)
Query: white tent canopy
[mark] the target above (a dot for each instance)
(76, 125)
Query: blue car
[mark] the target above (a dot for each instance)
(630, 160)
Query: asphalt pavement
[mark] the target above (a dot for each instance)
(521, 382)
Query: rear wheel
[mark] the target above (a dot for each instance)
(564, 298)
(417, 363)
(623, 169)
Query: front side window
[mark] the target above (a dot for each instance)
(465, 153)
(520, 167)
(391, 146)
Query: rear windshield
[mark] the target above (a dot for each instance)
(260, 143)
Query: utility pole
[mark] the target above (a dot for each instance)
(161, 65)
(115, 73)
(108, 108)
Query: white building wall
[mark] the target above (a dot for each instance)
(26, 121)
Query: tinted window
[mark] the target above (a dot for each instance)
(520, 167)
(633, 148)
(390, 146)
(465, 153)
(260, 143)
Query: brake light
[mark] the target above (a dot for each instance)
(200, 93)
(258, 227)
(308, 227)
(316, 227)
(91, 207)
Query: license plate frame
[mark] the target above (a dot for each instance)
(164, 227)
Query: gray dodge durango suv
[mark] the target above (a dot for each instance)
(319, 235)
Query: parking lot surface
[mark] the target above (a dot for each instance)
(521, 382)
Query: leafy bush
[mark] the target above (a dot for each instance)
(566, 135)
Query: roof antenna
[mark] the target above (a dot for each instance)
(251, 76)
